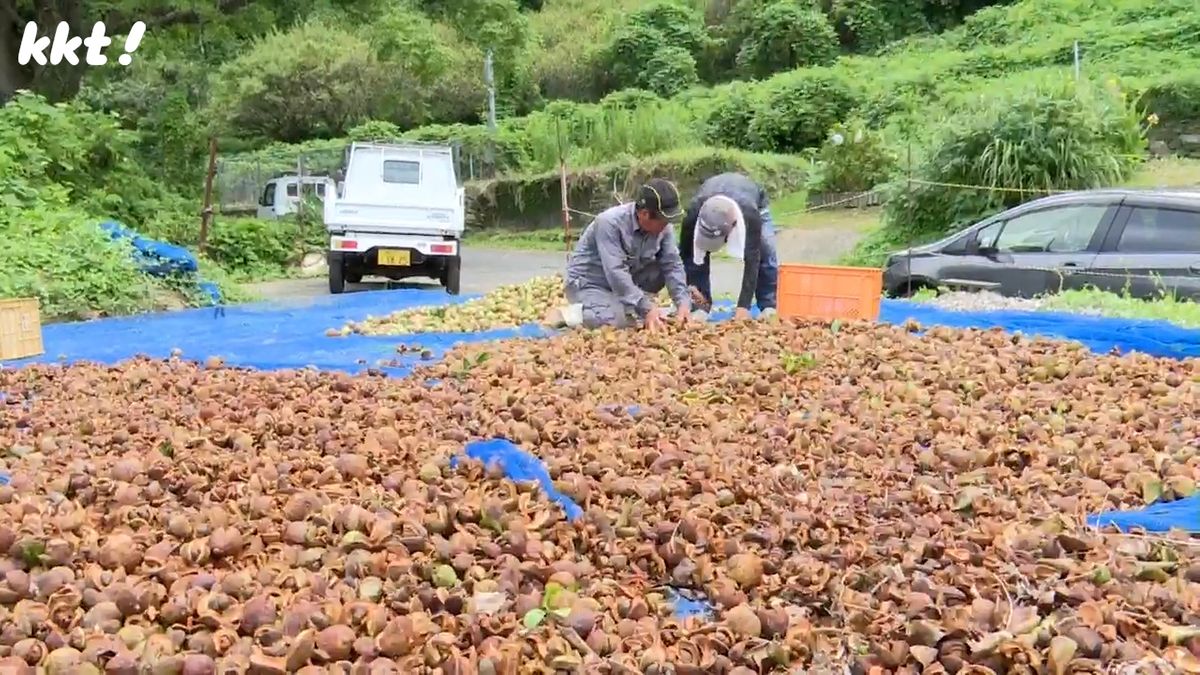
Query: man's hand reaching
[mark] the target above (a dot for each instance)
(698, 300)
(654, 320)
(683, 313)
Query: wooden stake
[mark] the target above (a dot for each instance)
(206, 212)
(562, 186)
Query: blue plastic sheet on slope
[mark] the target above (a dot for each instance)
(160, 259)
(154, 257)
(519, 465)
(1181, 514)
(1098, 333)
(267, 336)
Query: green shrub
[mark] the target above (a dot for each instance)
(69, 264)
(670, 71)
(678, 23)
(655, 49)
(785, 36)
(1017, 145)
(732, 112)
(312, 81)
(374, 130)
(860, 25)
(799, 109)
(630, 99)
(251, 248)
(854, 158)
(1174, 97)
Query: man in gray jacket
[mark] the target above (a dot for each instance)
(624, 258)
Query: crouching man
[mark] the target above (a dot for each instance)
(730, 212)
(624, 258)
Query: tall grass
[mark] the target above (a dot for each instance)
(590, 135)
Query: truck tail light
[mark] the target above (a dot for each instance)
(347, 244)
(441, 248)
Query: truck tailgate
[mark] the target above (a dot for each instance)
(387, 219)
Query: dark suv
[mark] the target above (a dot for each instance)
(1141, 242)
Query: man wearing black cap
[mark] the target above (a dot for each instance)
(623, 259)
(730, 212)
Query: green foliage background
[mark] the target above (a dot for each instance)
(974, 91)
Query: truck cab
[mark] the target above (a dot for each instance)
(281, 195)
(399, 212)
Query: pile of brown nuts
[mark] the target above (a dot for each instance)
(858, 496)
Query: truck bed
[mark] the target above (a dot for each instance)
(342, 216)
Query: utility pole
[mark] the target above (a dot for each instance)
(489, 79)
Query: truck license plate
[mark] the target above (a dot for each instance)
(391, 258)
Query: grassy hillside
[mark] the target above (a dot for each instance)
(897, 100)
(1151, 48)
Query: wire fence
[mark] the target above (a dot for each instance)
(240, 181)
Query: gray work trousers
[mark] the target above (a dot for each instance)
(601, 307)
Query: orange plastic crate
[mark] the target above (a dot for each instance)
(20, 329)
(822, 292)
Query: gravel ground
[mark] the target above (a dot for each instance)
(961, 301)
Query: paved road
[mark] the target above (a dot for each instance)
(485, 269)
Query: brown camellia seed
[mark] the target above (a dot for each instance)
(840, 497)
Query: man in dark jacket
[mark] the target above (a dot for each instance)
(722, 205)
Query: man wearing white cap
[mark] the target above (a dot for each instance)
(730, 212)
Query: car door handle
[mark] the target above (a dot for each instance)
(1070, 264)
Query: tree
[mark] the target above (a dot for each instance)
(62, 81)
(785, 36)
(312, 81)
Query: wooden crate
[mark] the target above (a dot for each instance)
(822, 292)
(20, 329)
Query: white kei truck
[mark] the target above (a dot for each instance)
(399, 212)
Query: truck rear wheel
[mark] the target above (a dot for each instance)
(337, 273)
(451, 275)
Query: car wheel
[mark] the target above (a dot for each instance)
(337, 273)
(451, 275)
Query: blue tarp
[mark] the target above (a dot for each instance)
(160, 259)
(269, 336)
(1181, 514)
(1099, 334)
(519, 465)
(292, 334)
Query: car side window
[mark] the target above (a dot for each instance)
(985, 237)
(1160, 230)
(268, 196)
(1064, 229)
(293, 190)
